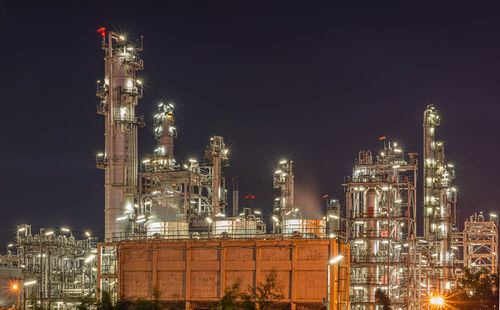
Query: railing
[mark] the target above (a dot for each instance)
(207, 235)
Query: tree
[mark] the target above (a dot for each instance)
(265, 295)
(105, 303)
(269, 293)
(477, 290)
(382, 299)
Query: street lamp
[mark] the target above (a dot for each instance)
(332, 261)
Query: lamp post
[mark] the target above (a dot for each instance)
(16, 288)
(331, 262)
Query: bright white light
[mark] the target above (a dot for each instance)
(130, 84)
(89, 258)
(396, 166)
(283, 162)
(28, 283)
(437, 301)
(333, 216)
(209, 220)
(141, 220)
(10, 245)
(87, 233)
(275, 218)
(65, 229)
(139, 82)
(49, 233)
(257, 212)
(122, 218)
(191, 160)
(336, 259)
(385, 188)
(123, 112)
(493, 215)
(220, 215)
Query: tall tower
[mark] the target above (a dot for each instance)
(381, 227)
(283, 180)
(439, 205)
(216, 157)
(119, 93)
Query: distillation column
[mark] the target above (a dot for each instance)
(439, 203)
(119, 95)
(283, 180)
(216, 156)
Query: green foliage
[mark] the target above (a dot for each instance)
(105, 303)
(477, 290)
(268, 294)
(265, 295)
(382, 299)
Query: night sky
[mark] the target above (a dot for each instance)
(310, 81)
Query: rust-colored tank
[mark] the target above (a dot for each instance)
(195, 273)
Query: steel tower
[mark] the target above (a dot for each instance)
(119, 93)
(439, 205)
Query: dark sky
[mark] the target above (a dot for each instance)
(310, 81)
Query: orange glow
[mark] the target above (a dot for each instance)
(14, 287)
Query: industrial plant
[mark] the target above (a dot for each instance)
(171, 232)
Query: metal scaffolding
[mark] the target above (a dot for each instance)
(120, 93)
(480, 243)
(56, 270)
(381, 229)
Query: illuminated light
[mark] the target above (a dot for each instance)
(275, 218)
(382, 154)
(423, 285)
(14, 287)
(146, 161)
(130, 48)
(49, 233)
(395, 144)
(191, 160)
(139, 82)
(396, 166)
(141, 217)
(122, 38)
(359, 242)
(357, 287)
(451, 165)
(398, 200)
(10, 245)
(106, 81)
(226, 151)
(102, 31)
(278, 171)
(130, 84)
(493, 215)
(332, 235)
(93, 269)
(398, 151)
(185, 166)
(65, 229)
(359, 222)
(257, 212)
(87, 233)
(209, 220)
(220, 215)
(283, 162)
(336, 259)
(437, 301)
(28, 283)
(89, 258)
(141, 220)
(242, 214)
(123, 112)
(385, 188)
(22, 229)
(385, 241)
(121, 218)
(448, 285)
(333, 216)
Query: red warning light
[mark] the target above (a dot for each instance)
(253, 197)
(102, 31)
(246, 196)
(382, 138)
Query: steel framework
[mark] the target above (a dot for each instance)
(481, 243)
(381, 227)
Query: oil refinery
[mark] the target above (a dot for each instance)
(172, 232)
